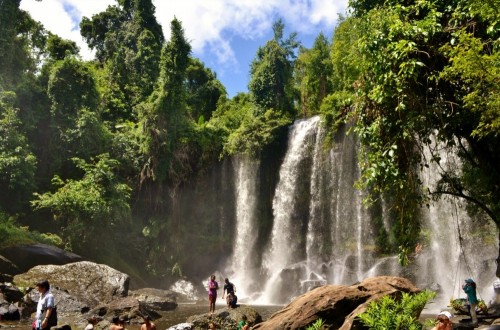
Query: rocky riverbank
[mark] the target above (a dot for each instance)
(83, 289)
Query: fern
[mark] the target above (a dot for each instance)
(318, 325)
(390, 313)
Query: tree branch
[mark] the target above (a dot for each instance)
(471, 199)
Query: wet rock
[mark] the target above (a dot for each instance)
(27, 256)
(7, 267)
(182, 326)
(128, 308)
(336, 305)
(61, 327)
(87, 282)
(225, 319)
(6, 278)
(9, 312)
(289, 286)
(67, 305)
(156, 299)
(11, 293)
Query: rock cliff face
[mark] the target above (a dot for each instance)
(336, 305)
(91, 283)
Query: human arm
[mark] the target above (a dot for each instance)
(46, 316)
(48, 306)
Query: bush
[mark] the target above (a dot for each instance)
(391, 313)
(11, 234)
(318, 325)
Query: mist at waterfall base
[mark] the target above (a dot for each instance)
(293, 220)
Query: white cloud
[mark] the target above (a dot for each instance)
(209, 25)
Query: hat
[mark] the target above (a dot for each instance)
(447, 314)
(469, 280)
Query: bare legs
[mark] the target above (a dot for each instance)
(211, 308)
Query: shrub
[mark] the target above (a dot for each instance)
(401, 313)
(318, 325)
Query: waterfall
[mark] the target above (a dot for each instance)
(286, 245)
(243, 265)
(322, 233)
(445, 263)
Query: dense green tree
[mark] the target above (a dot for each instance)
(203, 90)
(91, 208)
(17, 162)
(164, 119)
(76, 126)
(23, 42)
(411, 83)
(128, 41)
(313, 72)
(59, 48)
(71, 87)
(8, 19)
(271, 72)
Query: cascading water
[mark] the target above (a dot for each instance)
(287, 244)
(243, 262)
(321, 232)
(449, 259)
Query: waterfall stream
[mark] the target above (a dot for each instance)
(243, 258)
(322, 233)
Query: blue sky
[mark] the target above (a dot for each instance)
(224, 34)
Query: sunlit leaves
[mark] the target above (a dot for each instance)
(396, 313)
(271, 72)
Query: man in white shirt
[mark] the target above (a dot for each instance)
(46, 316)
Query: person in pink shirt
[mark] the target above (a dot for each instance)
(213, 286)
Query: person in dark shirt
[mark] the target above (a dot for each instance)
(230, 290)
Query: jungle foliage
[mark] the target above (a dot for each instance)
(96, 151)
(396, 312)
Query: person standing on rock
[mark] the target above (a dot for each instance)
(470, 289)
(213, 286)
(229, 290)
(147, 325)
(46, 315)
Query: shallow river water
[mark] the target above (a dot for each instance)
(179, 315)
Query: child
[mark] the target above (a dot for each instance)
(444, 321)
(93, 320)
(243, 324)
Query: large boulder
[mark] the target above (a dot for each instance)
(10, 312)
(181, 326)
(224, 318)
(127, 308)
(10, 292)
(7, 267)
(66, 304)
(25, 257)
(336, 305)
(88, 282)
(156, 299)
